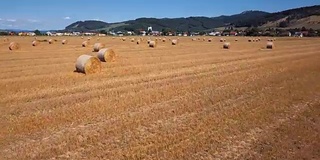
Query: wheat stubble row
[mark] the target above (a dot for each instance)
(201, 105)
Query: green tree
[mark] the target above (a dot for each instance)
(37, 32)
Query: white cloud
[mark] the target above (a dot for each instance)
(66, 18)
(33, 20)
(96, 19)
(11, 20)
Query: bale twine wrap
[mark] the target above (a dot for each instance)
(152, 44)
(226, 45)
(270, 45)
(98, 46)
(14, 46)
(35, 43)
(88, 64)
(64, 41)
(106, 55)
(174, 42)
(85, 43)
(51, 41)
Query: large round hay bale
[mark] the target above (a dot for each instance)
(209, 40)
(51, 41)
(226, 45)
(35, 43)
(174, 42)
(14, 46)
(97, 47)
(132, 39)
(85, 43)
(88, 64)
(204, 39)
(81, 37)
(106, 55)
(249, 40)
(138, 41)
(270, 45)
(193, 39)
(163, 40)
(123, 39)
(236, 40)
(152, 44)
(222, 40)
(148, 41)
(64, 41)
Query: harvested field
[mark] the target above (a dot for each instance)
(192, 101)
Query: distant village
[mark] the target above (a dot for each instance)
(228, 31)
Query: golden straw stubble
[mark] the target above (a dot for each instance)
(88, 64)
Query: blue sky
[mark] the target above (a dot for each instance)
(57, 14)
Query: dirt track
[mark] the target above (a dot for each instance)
(190, 101)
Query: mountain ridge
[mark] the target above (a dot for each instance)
(250, 18)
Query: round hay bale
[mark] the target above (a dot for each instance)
(199, 39)
(193, 39)
(163, 40)
(222, 40)
(204, 39)
(64, 41)
(98, 39)
(88, 64)
(81, 37)
(148, 41)
(106, 55)
(5, 40)
(89, 38)
(35, 43)
(14, 46)
(97, 47)
(51, 41)
(123, 39)
(226, 45)
(210, 40)
(174, 42)
(152, 44)
(132, 40)
(249, 40)
(236, 40)
(270, 45)
(138, 41)
(85, 43)
(270, 40)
